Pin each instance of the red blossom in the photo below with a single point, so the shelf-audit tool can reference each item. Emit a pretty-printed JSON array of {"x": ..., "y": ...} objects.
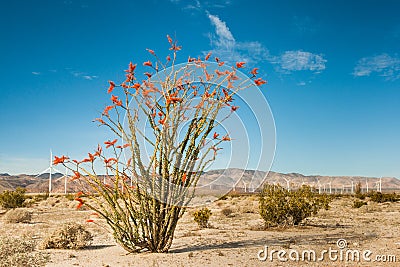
[
  {"x": 151, "y": 51},
  {"x": 226, "y": 138},
  {"x": 215, "y": 136},
  {"x": 131, "y": 68},
  {"x": 99, "y": 120},
  {"x": 234, "y": 108},
  {"x": 184, "y": 176},
  {"x": 147, "y": 63},
  {"x": 107, "y": 109},
  {"x": 58, "y": 160},
  {"x": 111, "y": 88},
  {"x": 240, "y": 64},
  {"x": 80, "y": 204},
  {"x": 169, "y": 39},
  {"x": 208, "y": 56},
  {"x": 110, "y": 143},
  {"x": 254, "y": 71},
  {"x": 259, "y": 81},
  {"x": 76, "y": 176}
]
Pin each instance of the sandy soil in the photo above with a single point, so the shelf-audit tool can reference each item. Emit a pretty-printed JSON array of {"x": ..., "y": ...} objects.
[{"x": 233, "y": 240}]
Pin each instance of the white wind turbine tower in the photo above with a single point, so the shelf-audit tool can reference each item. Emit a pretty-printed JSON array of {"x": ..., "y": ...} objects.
[
  {"x": 50, "y": 170},
  {"x": 352, "y": 186},
  {"x": 379, "y": 185},
  {"x": 245, "y": 186},
  {"x": 319, "y": 186},
  {"x": 330, "y": 185},
  {"x": 287, "y": 183},
  {"x": 366, "y": 183}
]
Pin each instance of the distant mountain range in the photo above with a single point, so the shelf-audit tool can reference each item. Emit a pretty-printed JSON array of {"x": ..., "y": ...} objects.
[{"x": 236, "y": 179}]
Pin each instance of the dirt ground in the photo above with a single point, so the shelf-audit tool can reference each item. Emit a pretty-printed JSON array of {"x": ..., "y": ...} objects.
[{"x": 234, "y": 240}]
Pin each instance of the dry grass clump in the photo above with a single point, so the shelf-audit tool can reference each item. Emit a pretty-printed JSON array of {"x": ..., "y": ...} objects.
[
  {"x": 228, "y": 212},
  {"x": 68, "y": 236},
  {"x": 20, "y": 252},
  {"x": 20, "y": 215}
]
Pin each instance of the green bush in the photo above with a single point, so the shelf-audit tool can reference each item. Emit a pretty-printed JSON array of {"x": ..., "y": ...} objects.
[
  {"x": 279, "y": 207},
  {"x": 202, "y": 216},
  {"x": 13, "y": 199},
  {"x": 20, "y": 252},
  {"x": 358, "y": 204},
  {"x": 381, "y": 198}
]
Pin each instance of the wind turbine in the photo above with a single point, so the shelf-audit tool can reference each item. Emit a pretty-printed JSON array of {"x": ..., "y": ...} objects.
[
  {"x": 330, "y": 186},
  {"x": 50, "y": 170},
  {"x": 319, "y": 186},
  {"x": 352, "y": 186},
  {"x": 245, "y": 186},
  {"x": 366, "y": 183},
  {"x": 287, "y": 184},
  {"x": 379, "y": 185}
]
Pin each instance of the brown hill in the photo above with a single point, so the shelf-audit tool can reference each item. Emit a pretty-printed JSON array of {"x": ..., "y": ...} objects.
[{"x": 235, "y": 179}]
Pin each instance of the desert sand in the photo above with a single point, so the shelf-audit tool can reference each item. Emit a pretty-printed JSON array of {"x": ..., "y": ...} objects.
[{"x": 232, "y": 240}]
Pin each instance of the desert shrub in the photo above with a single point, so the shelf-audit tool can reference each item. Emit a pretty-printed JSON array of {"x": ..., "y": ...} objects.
[
  {"x": 358, "y": 204},
  {"x": 29, "y": 202},
  {"x": 19, "y": 215},
  {"x": 70, "y": 197},
  {"x": 202, "y": 216},
  {"x": 361, "y": 196},
  {"x": 378, "y": 197},
  {"x": 13, "y": 199},
  {"x": 357, "y": 189},
  {"x": 20, "y": 252},
  {"x": 41, "y": 197},
  {"x": 68, "y": 236},
  {"x": 227, "y": 211},
  {"x": 280, "y": 207}
]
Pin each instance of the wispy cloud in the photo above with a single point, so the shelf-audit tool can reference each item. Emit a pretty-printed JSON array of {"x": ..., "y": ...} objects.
[
  {"x": 225, "y": 45},
  {"x": 82, "y": 75},
  {"x": 69, "y": 71},
  {"x": 384, "y": 65},
  {"x": 197, "y": 5},
  {"x": 299, "y": 60}
]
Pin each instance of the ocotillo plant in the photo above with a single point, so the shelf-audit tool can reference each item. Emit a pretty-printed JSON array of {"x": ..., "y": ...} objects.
[{"x": 151, "y": 175}]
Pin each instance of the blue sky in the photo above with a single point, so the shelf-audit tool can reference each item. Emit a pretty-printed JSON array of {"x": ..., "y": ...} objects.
[{"x": 333, "y": 71}]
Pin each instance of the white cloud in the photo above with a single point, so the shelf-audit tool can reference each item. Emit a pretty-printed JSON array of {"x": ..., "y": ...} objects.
[
  {"x": 300, "y": 60},
  {"x": 302, "y": 83},
  {"x": 223, "y": 32},
  {"x": 225, "y": 46},
  {"x": 36, "y": 73},
  {"x": 383, "y": 65},
  {"x": 83, "y": 75},
  {"x": 88, "y": 77}
]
